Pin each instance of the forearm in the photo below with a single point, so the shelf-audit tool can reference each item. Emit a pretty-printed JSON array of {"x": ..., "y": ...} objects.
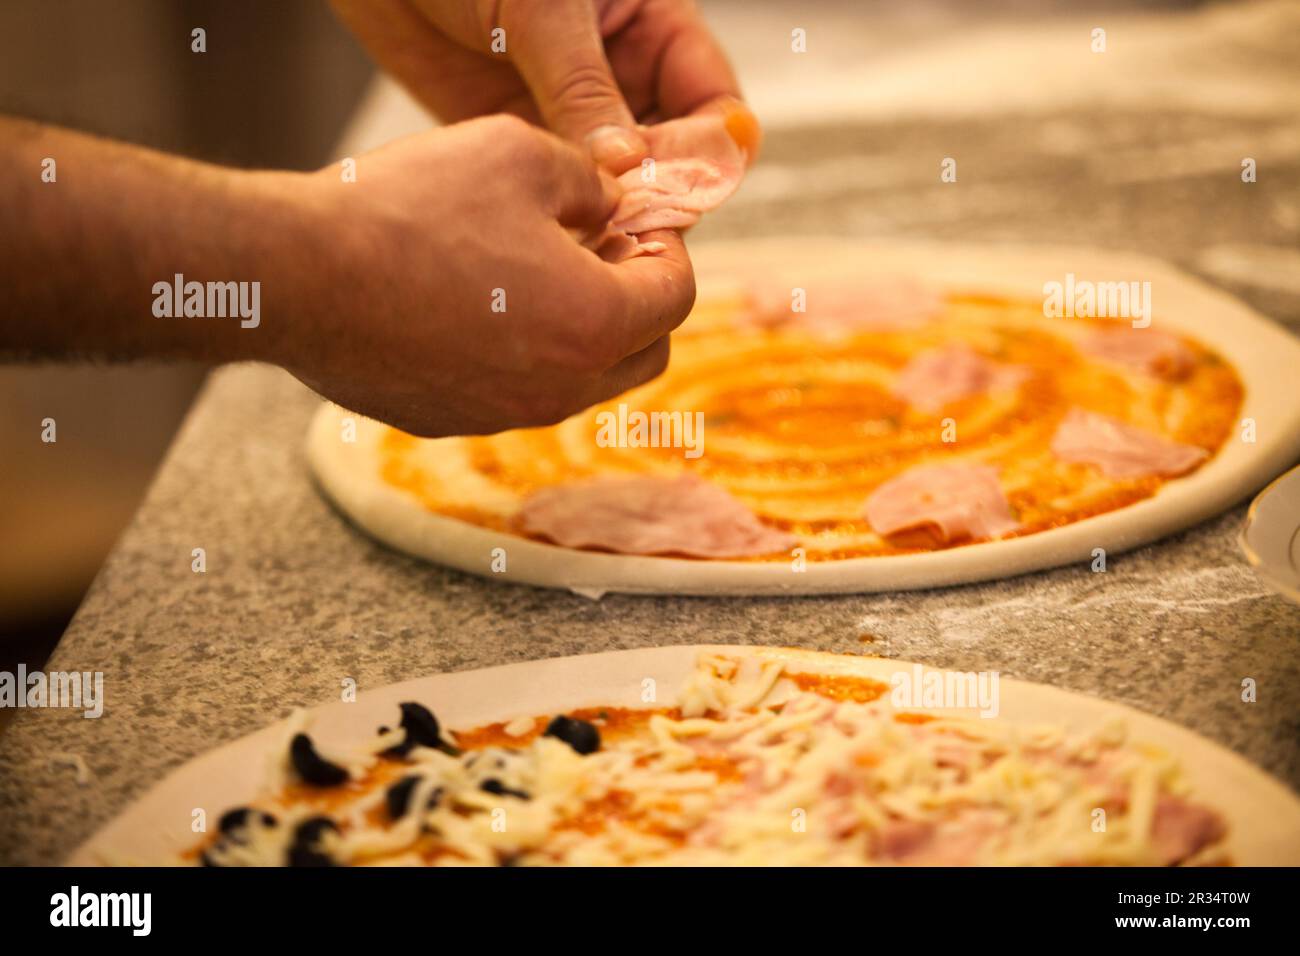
[{"x": 90, "y": 242}]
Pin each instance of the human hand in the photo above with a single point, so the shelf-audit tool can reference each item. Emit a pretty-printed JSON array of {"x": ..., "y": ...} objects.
[
  {"x": 588, "y": 69},
  {"x": 458, "y": 300}
]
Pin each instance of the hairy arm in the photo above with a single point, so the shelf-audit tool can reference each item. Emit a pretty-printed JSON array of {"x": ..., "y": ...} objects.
[
  {"x": 90, "y": 225},
  {"x": 439, "y": 288}
]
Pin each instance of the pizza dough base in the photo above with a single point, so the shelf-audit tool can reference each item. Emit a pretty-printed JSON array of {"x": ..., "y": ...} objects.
[{"x": 1264, "y": 356}]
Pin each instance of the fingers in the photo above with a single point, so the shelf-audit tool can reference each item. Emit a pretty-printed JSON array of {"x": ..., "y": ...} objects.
[
  {"x": 615, "y": 148},
  {"x": 656, "y": 292},
  {"x": 557, "y": 49},
  {"x": 613, "y": 311},
  {"x": 636, "y": 369},
  {"x": 668, "y": 62},
  {"x": 577, "y": 192},
  {"x": 693, "y": 69},
  {"x": 740, "y": 122},
  {"x": 451, "y": 80}
]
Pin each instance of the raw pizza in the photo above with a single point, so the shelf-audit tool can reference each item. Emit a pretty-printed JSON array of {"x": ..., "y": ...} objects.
[
  {"x": 843, "y": 419},
  {"x": 755, "y": 762}
]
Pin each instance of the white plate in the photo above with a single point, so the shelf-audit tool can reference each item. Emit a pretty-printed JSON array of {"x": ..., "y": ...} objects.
[
  {"x": 1264, "y": 355},
  {"x": 1263, "y": 816},
  {"x": 1271, "y": 537}
]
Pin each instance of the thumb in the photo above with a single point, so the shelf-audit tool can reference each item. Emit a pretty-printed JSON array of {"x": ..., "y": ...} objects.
[{"x": 557, "y": 49}]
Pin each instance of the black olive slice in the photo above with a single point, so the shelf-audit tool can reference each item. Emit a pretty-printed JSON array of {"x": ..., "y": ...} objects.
[
  {"x": 311, "y": 766},
  {"x": 305, "y": 849},
  {"x": 581, "y": 735},
  {"x": 495, "y": 786},
  {"x": 422, "y": 730},
  {"x": 238, "y": 819},
  {"x": 398, "y": 797}
]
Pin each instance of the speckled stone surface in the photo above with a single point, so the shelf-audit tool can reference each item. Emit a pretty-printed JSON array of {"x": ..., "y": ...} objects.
[{"x": 294, "y": 600}]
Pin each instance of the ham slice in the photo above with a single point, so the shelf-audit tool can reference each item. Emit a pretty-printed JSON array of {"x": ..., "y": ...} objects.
[
  {"x": 836, "y": 309},
  {"x": 1149, "y": 351},
  {"x": 1120, "y": 450},
  {"x": 696, "y": 167},
  {"x": 1180, "y": 829},
  {"x": 939, "y": 376},
  {"x": 955, "y": 842},
  {"x": 649, "y": 515},
  {"x": 961, "y": 500},
  {"x": 899, "y": 840}
]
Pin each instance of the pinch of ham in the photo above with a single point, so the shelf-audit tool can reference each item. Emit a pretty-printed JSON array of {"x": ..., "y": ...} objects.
[
  {"x": 1120, "y": 450},
  {"x": 840, "y": 308},
  {"x": 959, "y": 500},
  {"x": 694, "y": 166},
  {"x": 937, "y": 377},
  {"x": 1156, "y": 353},
  {"x": 650, "y": 515}
]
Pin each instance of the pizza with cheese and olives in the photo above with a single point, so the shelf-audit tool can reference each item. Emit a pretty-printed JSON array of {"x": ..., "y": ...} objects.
[
  {"x": 826, "y": 427},
  {"x": 755, "y": 762}
]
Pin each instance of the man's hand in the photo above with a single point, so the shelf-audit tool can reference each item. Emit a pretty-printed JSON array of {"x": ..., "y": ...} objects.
[
  {"x": 587, "y": 69},
  {"x": 458, "y": 301},
  {"x": 442, "y": 291}
]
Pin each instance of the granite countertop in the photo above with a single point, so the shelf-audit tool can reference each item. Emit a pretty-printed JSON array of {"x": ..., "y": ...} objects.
[{"x": 294, "y": 600}]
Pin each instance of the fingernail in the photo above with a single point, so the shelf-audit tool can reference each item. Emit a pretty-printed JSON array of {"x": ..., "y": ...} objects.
[
  {"x": 742, "y": 125},
  {"x": 615, "y": 147}
]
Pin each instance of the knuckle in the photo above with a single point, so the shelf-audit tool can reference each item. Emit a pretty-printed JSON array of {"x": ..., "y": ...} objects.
[
  {"x": 647, "y": 367},
  {"x": 674, "y": 298},
  {"x": 587, "y": 339},
  {"x": 607, "y": 319},
  {"x": 585, "y": 85},
  {"x": 541, "y": 410},
  {"x": 508, "y": 124},
  {"x": 682, "y": 291},
  {"x": 658, "y": 361},
  {"x": 580, "y": 349},
  {"x": 519, "y": 141}
]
